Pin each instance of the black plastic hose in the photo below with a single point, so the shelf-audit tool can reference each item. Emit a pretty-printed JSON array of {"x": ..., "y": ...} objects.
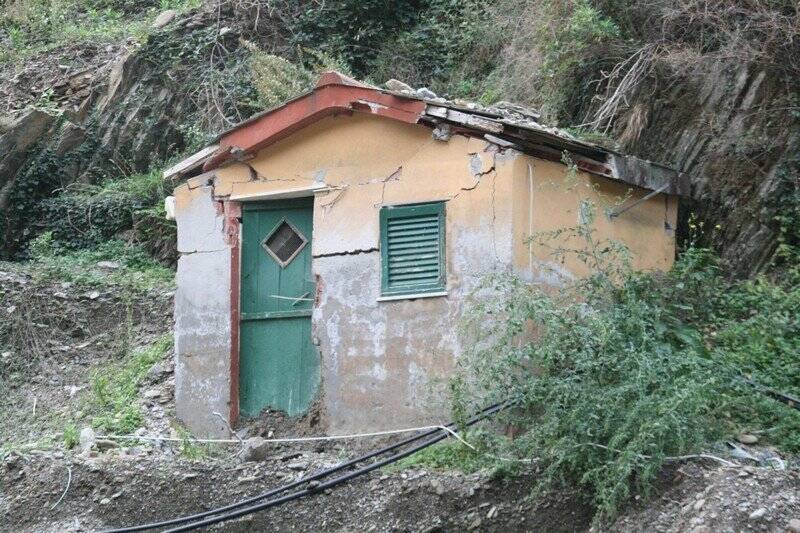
[
  {"x": 336, "y": 481},
  {"x": 319, "y": 475}
]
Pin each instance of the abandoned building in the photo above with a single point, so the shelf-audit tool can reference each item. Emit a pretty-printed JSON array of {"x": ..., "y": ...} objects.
[{"x": 328, "y": 247}]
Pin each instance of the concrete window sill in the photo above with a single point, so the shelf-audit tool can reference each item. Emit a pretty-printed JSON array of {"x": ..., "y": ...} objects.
[{"x": 412, "y": 296}]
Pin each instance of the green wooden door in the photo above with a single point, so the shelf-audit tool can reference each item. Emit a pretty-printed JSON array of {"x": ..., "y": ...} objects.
[{"x": 278, "y": 363}]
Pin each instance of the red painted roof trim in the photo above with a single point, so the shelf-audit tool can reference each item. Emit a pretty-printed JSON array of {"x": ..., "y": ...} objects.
[{"x": 334, "y": 93}]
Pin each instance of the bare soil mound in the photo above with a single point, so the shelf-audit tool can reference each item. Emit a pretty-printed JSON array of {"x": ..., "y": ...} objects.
[{"x": 54, "y": 337}]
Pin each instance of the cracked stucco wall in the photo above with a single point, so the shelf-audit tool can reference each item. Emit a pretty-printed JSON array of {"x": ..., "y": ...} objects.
[
  {"x": 202, "y": 314},
  {"x": 385, "y": 363},
  {"x": 386, "y": 360},
  {"x": 547, "y": 198}
]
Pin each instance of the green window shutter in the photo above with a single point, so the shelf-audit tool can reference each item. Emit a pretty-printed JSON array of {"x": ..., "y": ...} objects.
[{"x": 412, "y": 248}]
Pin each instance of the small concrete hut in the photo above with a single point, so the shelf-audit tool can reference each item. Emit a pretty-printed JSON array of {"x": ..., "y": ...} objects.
[{"x": 328, "y": 246}]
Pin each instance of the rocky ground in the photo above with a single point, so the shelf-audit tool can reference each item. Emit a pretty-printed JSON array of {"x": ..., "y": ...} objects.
[
  {"x": 72, "y": 331},
  {"x": 729, "y": 499},
  {"x": 56, "y": 335},
  {"x": 62, "y": 77},
  {"x": 122, "y": 487}
]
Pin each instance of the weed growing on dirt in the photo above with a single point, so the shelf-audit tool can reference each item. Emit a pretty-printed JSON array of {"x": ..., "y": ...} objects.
[
  {"x": 190, "y": 448},
  {"x": 126, "y": 265},
  {"x": 621, "y": 369},
  {"x": 454, "y": 455},
  {"x": 115, "y": 389},
  {"x": 34, "y": 26},
  {"x": 42, "y": 443},
  {"x": 71, "y": 435}
]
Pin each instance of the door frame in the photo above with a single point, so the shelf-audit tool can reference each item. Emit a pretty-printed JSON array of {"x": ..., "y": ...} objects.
[{"x": 233, "y": 233}]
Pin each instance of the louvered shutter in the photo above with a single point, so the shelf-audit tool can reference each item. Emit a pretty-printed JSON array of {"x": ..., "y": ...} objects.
[{"x": 412, "y": 248}]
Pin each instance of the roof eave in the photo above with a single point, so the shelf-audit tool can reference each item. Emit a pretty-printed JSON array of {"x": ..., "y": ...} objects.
[
  {"x": 325, "y": 100},
  {"x": 336, "y": 93}
]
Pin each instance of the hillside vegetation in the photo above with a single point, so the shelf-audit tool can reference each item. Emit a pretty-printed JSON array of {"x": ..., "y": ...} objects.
[
  {"x": 707, "y": 86},
  {"x": 631, "y": 370}
]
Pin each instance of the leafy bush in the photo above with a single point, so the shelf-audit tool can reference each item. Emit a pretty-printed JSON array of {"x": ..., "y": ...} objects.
[
  {"x": 424, "y": 42},
  {"x": 445, "y": 48},
  {"x": 621, "y": 369},
  {"x": 352, "y": 29}
]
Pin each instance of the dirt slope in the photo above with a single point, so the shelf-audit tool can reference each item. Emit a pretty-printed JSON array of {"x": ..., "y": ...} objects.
[
  {"x": 117, "y": 490},
  {"x": 126, "y": 487},
  {"x": 72, "y": 331}
]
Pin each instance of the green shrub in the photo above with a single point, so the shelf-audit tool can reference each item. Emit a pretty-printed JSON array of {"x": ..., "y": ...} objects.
[
  {"x": 353, "y": 30},
  {"x": 71, "y": 436},
  {"x": 620, "y": 370},
  {"x": 125, "y": 6},
  {"x": 87, "y": 215},
  {"x": 90, "y": 216},
  {"x": 447, "y": 48}
]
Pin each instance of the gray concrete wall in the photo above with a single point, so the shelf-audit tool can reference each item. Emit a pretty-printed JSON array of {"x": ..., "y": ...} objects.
[{"x": 202, "y": 315}]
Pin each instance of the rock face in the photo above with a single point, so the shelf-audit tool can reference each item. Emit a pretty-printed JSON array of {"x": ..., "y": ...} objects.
[
  {"x": 726, "y": 124},
  {"x": 730, "y": 126},
  {"x": 123, "y": 117},
  {"x": 16, "y": 144}
]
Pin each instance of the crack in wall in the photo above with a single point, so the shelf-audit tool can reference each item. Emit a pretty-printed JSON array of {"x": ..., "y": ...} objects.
[
  {"x": 255, "y": 175},
  {"x": 204, "y": 251},
  {"x": 478, "y": 182},
  {"x": 478, "y": 177},
  {"x": 475, "y": 165},
  {"x": 357, "y": 251},
  {"x": 394, "y": 176}
]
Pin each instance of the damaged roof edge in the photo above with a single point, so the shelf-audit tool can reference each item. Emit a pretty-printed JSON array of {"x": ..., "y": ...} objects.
[
  {"x": 649, "y": 175},
  {"x": 336, "y": 93},
  {"x": 330, "y": 77},
  {"x": 192, "y": 162}
]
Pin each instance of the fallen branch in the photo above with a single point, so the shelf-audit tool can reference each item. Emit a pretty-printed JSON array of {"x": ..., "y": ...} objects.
[{"x": 668, "y": 458}]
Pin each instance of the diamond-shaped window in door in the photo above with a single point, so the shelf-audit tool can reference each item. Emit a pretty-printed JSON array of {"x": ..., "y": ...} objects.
[{"x": 284, "y": 243}]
